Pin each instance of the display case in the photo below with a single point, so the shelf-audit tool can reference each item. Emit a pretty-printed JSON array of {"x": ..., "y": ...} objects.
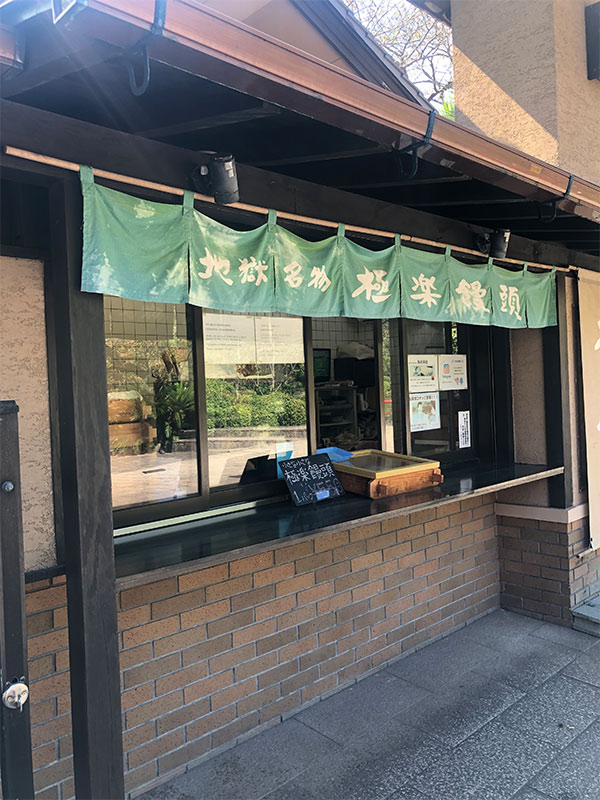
[
  {"x": 337, "y": 419},
  {"x": 375, "y": 473}
]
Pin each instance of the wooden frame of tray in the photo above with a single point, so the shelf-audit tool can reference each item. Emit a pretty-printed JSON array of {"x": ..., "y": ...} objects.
[
  {"x": 415, "y": 465},
  {"x": 420, "y": 473}
]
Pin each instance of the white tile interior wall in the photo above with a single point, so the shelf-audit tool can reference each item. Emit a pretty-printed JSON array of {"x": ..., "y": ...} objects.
[{"x": 329, "y": 332}]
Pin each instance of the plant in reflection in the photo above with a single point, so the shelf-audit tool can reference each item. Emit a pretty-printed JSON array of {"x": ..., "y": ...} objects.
[
  {"x": 237, "y": 404},
  {"x": 174, "y": 402}
]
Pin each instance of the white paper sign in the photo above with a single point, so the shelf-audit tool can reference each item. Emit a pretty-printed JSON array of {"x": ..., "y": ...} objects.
[
  {"x": 228, "y": 339},
  {"x": 247, "y": 339},
  {"x": 464, "y": 429},
  {"x": 422, "y": 373},
  {"x": 424, "y": 411},
  {"x": 279, "y": 340},
  {"x": 452, "y": 371}
]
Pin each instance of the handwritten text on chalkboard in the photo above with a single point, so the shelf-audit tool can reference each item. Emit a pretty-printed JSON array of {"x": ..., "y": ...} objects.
[{"x": 311, "y": 479}]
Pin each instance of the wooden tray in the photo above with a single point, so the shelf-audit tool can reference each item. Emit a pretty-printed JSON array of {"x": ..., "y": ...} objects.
[{"x": 408, "y": 475}]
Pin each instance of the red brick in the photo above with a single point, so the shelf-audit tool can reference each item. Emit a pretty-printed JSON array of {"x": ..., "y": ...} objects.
[
  {"x": 294, "y": 585},
  {"x": 275, "y": 607},
  {"x": 241, "y": 566},
  {"x": 205, "y": 613},
  {"x": 208, "y": 686},
  {"x": 254, "y": 632},
  {"x": 293, "y": 551},
  {"x": 233, "y": 694},
  {"x": 204, "y": 577},
  {"x": 228, "y": 588},
  {"x": 331, "y": 541},
  {"x": 141, "y": 595},
  {"x": 273, "y": 575},
  {"x": 313, "y": 562}
]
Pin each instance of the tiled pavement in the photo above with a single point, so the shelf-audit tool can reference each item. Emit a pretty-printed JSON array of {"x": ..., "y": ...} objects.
[{"x": 507, "y": 707}]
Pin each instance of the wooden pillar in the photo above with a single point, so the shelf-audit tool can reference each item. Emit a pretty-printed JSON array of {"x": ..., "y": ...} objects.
[{"x": 88, "y": 535}]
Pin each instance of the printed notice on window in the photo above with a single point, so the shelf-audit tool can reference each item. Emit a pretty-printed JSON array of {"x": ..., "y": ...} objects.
[
  {"x": 464, "y": 429},
  {"x": 452, "y": 372},
  {"x": 422, "y": 373},
  {"x": 424, "y": 411}
]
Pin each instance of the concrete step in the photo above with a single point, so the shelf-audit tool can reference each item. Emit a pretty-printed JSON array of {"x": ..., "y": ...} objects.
[{"x": 586, "y": 617}]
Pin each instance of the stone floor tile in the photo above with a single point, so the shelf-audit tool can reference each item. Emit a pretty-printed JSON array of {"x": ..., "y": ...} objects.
[
  {"x": 251, "y": 769},
  {"x": 566, "y": 636},
  {"x": 527, "y": 662},
  {"x": 464, "y": 707},
  {"x": 530, "y": 794},
  {"x": 349, "y": 713},
  {"x": 440, "y": 663},
  {"x": 408, "y": 793},
  {"x": 574, "y": 773},
  {"x": 498, "y": 629},
  {"x": 492, "y": 764},
  {"x": 557, "y": 711},
  {"x": 373, "y": 767},
  {"x": 586, "y": 667}
]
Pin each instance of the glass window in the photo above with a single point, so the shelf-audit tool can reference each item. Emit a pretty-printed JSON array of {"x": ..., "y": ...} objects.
[
  {"x": 438, "y": 429},
  {"x": 347, "y": 386},
  {"x": 255, "y": 395},
  {"x": 151, "y": 401}
]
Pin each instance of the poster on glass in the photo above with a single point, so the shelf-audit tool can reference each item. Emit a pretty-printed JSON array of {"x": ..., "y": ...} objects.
[
  {"x": 422, "y": 373},
  {"x": 452, "y": 372},
  {"x": 424, "y": 411}
]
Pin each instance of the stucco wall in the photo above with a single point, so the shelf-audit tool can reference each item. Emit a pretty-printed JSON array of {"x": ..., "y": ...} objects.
[
  {"x": 578, "y": 99},
  {"x": 504, "y": 72},
  {"x": 521, "y": 77},
  {"x": 24, "y": 378}
]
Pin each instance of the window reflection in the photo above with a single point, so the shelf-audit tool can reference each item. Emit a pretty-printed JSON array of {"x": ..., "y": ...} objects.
[
  {"x": 255, "y": 395},
  {"x": 151, "y": 402}
]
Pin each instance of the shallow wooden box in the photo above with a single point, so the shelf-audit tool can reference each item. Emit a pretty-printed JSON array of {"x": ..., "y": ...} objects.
[{"x": 375, "y": 473}]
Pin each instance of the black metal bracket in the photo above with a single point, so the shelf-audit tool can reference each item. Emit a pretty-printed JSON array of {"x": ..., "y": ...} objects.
[
  {"x": 414, "y": 148},
  {"x": 141, "y": 48},
  {"x": 554, "y": 204}
]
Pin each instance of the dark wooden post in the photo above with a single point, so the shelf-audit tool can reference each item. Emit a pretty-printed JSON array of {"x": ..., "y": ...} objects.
[
  {"x": 85, "y": 467},
  {"x": 15, "y": 731}
]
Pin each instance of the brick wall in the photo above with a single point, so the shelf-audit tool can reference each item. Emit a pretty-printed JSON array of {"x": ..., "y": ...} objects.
[
  {"x": 50, "y": 701},
  {"x": 212, "y": 655},
  {"x": 541, "y": 572}
]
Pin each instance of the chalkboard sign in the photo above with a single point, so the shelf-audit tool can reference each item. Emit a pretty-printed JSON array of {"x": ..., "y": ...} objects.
[{"x": 311, "y": 479}]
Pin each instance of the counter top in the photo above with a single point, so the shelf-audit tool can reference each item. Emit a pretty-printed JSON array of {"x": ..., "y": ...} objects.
[{"x": 176, "y": 549}]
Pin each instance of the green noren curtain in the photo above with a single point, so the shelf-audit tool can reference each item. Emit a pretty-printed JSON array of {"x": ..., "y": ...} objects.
[
  {"x": 132, "y": 248},
  {"x": 171, "y": 253}
]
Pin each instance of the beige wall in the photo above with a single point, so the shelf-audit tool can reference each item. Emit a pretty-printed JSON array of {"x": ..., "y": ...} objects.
[
  {"x": 527, "y": 365},
  {"x": 24, "y": 378},
  {"x": 521, "y": 77}
]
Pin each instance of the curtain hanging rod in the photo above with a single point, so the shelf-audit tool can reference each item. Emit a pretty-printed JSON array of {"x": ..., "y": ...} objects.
[{"x": 161, "y": 187}]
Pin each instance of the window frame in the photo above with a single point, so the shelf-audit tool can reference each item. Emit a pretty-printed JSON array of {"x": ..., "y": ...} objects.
[
  {"x": 491, "y": 419},
  {"x": 207, "y": 498}
]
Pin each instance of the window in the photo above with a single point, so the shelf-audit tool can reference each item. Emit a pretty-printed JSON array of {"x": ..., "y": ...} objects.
[
  {"x": 170, "y": 367},
  {"x": 436, "y": 433},
  {"x": 203, "y": 404},
  {"x": 255, "y": 395},
  {"x": 151, "y": 402}
]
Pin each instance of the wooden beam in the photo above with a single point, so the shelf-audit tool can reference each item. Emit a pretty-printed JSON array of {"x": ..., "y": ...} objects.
[
  {"x": 204, "y": 42},
  {"x": 261, "y": 111},
  {"x": 16, "y": 770},
  {"x": 73, "y": 140},
  {"x": 50, "y": 55},
  {"x": 311, "y": 158},
  {"x": 89, "y": 546}
]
